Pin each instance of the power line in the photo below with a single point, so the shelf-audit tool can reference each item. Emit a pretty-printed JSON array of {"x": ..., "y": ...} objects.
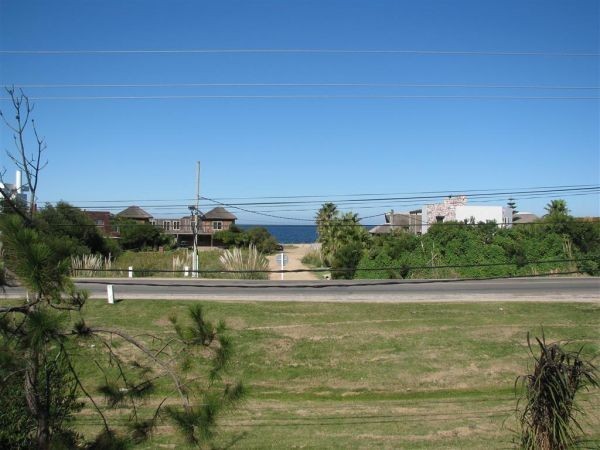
[
  {"x": 295, "y": 200},
  {"x": 378, "y": 85},
  {"x": 481, "y": 196},
  {"x": 326, "y": 196},
  {"x": 113, "y": 281},
  {"x": 310, "y": 97},
  {"x": 300, "y": 51},
  {"x": 351, "y": 201},
  {"x": 258, "y": 213}
]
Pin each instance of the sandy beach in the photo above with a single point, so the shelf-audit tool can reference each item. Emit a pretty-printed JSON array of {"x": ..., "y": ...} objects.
[{"x": 295, "y": 252}]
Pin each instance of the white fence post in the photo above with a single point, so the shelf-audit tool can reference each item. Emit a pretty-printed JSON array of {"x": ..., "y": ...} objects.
[
  {"x": 110, "y": 293},
  {"x": 186, "y": 271},
  {"x": 130, "y": 271}
]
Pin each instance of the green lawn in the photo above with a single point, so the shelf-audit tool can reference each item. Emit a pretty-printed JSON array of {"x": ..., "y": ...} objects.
[{"x": 373, "y": 375}]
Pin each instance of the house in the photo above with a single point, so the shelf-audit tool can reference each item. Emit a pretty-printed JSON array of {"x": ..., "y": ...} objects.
[
  {"x": 455, "y": 209},
  {"x": 451, "y": 209},
  {"x": 102, "y": 220},
  {"x": 407, "y": 221},
  {"x": 217, "y": 219},
  {"x": 182, "y": 228}
]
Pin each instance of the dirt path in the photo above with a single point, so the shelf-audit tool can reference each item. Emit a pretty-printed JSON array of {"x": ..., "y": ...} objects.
[{"x": 295, "y": 253}]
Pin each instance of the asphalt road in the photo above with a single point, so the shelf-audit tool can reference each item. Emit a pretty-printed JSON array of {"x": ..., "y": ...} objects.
[{"x": 518, "y": 289}]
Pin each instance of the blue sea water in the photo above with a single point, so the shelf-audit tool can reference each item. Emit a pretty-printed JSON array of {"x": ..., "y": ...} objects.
[{"x": 290, "y": 234}]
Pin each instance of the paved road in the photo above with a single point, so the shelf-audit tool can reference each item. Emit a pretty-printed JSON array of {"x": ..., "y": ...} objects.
[{"x": 531, "y": 289}]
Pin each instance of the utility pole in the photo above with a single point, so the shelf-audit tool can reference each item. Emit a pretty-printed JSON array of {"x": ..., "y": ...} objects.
[{"x": 196, "y": 213}]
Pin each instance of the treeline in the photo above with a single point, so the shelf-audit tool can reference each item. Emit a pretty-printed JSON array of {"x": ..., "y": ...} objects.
[
  {"x": 69, "y": 231},
  {"x": 461, "y": 250}
]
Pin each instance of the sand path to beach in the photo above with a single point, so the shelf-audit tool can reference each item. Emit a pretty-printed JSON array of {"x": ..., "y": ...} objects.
[{"x": 295, "y": 252}]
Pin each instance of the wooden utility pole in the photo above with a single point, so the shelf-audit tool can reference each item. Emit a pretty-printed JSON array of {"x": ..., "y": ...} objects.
[{"x": 195, "y": 265}]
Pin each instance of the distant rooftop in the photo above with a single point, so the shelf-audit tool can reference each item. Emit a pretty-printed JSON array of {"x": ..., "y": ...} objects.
[
  {"x": 219, "y": 213},
  {"x": 134, "y": 212}
]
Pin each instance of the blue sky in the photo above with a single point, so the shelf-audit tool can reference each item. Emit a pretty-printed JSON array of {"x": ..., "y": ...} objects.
[{"x": 116, "y": 150}]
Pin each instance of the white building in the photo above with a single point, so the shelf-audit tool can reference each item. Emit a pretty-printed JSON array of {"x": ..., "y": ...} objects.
[
  {"x": 455, "y": 209},
  {"x": 16, "y": 190}
]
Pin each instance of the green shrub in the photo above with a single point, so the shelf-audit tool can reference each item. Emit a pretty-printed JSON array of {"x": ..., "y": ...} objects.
[
  {"x": 347, "y": 257},
  {"x": 256, "y": 236}
]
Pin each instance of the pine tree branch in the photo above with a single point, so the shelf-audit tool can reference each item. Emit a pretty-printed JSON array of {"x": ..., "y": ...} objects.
[
  {"x": 80, "y": 384},
  {"x": 150, "y": 354}
]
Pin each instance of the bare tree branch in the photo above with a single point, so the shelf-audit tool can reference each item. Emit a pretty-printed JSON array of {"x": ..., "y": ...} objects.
[{"x": 32, "y": 165}]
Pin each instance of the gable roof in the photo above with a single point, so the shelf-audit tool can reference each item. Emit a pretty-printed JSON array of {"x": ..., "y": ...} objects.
[
  {"x": 219, "y": 213},
  {"x": 134, "y": 212}
]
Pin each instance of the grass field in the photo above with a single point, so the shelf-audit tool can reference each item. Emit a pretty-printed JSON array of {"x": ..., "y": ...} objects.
[{"x": 374, "y": 375}]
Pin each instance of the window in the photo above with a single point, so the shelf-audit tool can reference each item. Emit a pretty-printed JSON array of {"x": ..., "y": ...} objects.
[
  {"x": 99, "y": 222},
  {"x": 167, "y": 225},
  {"x": 217, "y": 225},
  {"x": 176, "y": 224},
  {"x": 439, "y": 219}
]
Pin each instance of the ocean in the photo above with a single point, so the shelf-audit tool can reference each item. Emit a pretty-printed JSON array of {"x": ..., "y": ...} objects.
[{"x": 292, "y": 234}]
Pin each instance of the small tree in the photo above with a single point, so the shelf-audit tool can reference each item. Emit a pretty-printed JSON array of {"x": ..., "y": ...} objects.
[
  {"x": 513, "y": 206},
  {"x": 557, "y": 208},
  {"x": 28, "y": 163},
  {"x": 140, "y": 236},
  {"x": 547, "y": 411},
  {"x": 336, "y": 231},
  {"x": 324, "y": 219}
]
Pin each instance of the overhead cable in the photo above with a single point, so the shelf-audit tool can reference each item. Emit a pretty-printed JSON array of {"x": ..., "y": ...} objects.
[{"x": 584, "y": 54}]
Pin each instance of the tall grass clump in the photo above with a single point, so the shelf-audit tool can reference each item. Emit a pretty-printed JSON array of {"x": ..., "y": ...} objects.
[
  {"x": 90, "y": 265},
  {"x": 547, "y": 411},
  {"x": 245, "y": 260},
  {"x": 313, "y": 257},
  {"x": 180, "y": 262}
]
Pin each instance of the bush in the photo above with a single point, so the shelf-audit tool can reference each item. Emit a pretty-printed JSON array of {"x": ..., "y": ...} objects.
[
  {"x": 141, "y": 236},
  {"x": 257, "y": 236},
  {"x": 347, "y": 257},
  {"x": 261, "y": 239},
  {"x": 245, "y": 260}
]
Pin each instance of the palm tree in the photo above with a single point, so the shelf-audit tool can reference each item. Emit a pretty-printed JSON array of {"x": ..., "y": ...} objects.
[
  {"x": 325, "y": 218},
  {"x": 325, "y": 215},
  {"x": 557, "y": 208}
]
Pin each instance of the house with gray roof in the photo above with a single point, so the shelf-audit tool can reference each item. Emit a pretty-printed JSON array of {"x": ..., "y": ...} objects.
[
  {"x": 182, "y": 228},
  {"x": 217, "y": 219}
]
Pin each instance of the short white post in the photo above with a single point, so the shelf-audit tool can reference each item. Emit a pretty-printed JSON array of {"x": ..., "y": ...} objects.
[
  {"x": 186, "y": 271},
  {"x": 130, "y": 271},
  {"x": 281, "y": 265},
  {"x": 110, "y": 293}
]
